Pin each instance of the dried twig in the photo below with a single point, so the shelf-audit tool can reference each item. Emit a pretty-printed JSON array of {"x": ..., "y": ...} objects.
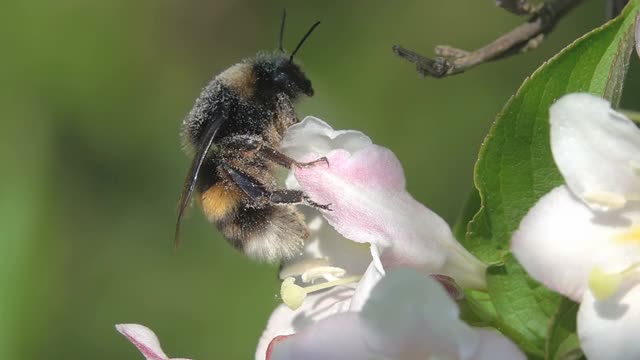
[
  {"x": 518, "y": 7},
  {"x": 528, "y": 36}
]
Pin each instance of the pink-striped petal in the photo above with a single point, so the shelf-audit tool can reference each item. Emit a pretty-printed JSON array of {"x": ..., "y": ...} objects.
[
  {"x": 145, "y": 340},
  {"x": 273, "y": 343},
  {"x": 369, "y": 204}
]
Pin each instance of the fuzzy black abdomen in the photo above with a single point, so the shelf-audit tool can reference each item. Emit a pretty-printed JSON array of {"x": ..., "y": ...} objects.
[{"x": 269, "y": 234}]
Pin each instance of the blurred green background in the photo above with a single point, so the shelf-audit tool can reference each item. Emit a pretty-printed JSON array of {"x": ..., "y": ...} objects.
[{"x": 91, "y": 100}]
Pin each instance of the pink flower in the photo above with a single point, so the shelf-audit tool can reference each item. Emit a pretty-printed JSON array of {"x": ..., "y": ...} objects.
[
  {"x": 373, "y": 225},
  {"x": 373, "y": 219},
  {"x": 145, "y": 340},
  {"x": 405, "y": 316}
]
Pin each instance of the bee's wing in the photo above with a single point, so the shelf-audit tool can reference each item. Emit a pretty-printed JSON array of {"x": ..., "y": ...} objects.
[
  {"x": 192, "y": 176},
  {"x": 251, "y": 186}
]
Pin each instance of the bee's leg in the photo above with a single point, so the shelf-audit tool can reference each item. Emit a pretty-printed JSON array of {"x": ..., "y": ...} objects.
[
  {"x": 259, "y": 193},
  {"x": 283, "y": 160},
  {"x": 252, "y": 187},
  {"x": 250, "y": 145},
  {"x": 295, "y": 197}
]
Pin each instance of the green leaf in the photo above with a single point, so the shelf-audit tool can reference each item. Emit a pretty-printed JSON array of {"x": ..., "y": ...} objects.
[
  {"x": 476, "y": 309},
  {"x": 515, "y": 168},
  {"x": 471, "y": 207},
  {"x": 524, "y": 306},
  {"x": 562, "y": 342}
]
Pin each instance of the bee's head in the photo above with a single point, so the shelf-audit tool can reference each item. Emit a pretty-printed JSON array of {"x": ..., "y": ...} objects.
[
  {"x": 275, "y": 73},
  {"x": 278, "y": 73}
]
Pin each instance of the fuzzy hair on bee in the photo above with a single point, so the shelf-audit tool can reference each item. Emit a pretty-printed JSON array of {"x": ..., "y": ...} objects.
[{"x": 234, "y": 131}]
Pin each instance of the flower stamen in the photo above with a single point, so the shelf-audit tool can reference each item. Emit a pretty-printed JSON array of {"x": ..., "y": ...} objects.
[
  {"x": 604, "y": 199},
  {"x": 293, "y": 295},
  {"x": 631, "y": 235},
  {"x": 604, "y": 285},
  {"x": 300, "y": 267},
  {"x": 329, "y": 273}
]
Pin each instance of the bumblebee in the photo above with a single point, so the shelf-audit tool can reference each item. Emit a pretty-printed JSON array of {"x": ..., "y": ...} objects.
[{"x": 234, "y": 130}]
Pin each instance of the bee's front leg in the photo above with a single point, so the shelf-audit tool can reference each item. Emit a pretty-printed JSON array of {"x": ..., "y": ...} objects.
[
  {"x": 261, "y": 195},
  {"x": 295, "y": 197},
  {"x": 313, "y": 163},
  {"x": 281, "y": 159},
  {"x": 251, "y": 145}
]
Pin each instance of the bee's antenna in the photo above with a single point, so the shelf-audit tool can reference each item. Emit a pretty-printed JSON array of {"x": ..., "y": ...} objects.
[
  {"x": 284, "y": 18},
  {"x": 304, "y": 38}
]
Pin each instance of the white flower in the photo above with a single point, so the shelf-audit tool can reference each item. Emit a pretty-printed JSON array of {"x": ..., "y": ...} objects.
[
  {"x": 145, "y": 340},
  {"x": 405, "y": 316},
  {"x": 582, "y": 239}
]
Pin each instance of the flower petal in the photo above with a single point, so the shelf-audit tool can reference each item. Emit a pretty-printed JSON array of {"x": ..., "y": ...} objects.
[
  {"x": 638, "y": 35},
  {"x": 363, "y": 291},
  {"x": 316, "y": 306},
  {"x": 408, "y": 316},
  {"x": 273, "y": 343},
  {"x": 326, "y": 243},
  {"x": 409, "y": 313},
  {"x": 609, "y": 329},
  {"x": 145, "y": 340},
  {"x": 560, "y": 241},
  {"x": 360, "y": 196},
  {"x": 369, "y": 204},
  {"x": 494, "y": 346},
  {"x": 339, "y": 337},
  {"x": 597, "y": 150},
  {"x": 450, "y": 286},
  {"x": 313, "y": 135}
]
